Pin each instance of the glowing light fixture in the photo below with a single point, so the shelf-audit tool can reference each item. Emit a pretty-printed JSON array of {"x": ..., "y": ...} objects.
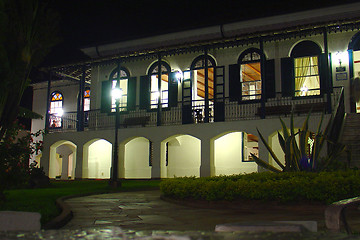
[
  {"x": 59, "y": 112},
  {"x": 179, "y": 76},
  {"x": 342, "y": 57},
  {"x": 116, "y": 93},
  {"x": 304, "y": 90}
]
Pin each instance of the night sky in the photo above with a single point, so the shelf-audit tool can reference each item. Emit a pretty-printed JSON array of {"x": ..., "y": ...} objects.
[{"x": 86, "y": 23}]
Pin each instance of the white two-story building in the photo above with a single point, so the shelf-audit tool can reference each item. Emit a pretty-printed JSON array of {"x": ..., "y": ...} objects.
[{"x": 191, "y": 101}]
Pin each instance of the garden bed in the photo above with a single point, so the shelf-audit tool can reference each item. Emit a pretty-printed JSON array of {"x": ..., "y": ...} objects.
[{"x": 285, "y": 187}]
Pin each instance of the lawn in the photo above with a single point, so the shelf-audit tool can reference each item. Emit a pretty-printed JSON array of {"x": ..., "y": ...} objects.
[{"x": 43, "y": 199}]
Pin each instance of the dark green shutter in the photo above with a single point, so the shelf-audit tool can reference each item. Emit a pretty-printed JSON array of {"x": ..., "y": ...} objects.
[
  {"x": 287, "y": 77},
  {"x": 131, "y": 94},
  {"x": 144, "y": 92},
  {"x": 173, "y": 90},
  {"x": 270, "y": 91},
  {"x": 323, "y": 72},
  {"x": 187, "y": 84},
  {"x": 219, "y": 94},
  {"x": 105, "y": 96},
  {"x": 234, "y": 82},
  {"x": 331, "y": 86}
]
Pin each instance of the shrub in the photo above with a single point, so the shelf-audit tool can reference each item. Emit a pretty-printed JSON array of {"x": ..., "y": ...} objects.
[
  {"x": 324, "y": 187},
  {"x": 15, "y": 153}
]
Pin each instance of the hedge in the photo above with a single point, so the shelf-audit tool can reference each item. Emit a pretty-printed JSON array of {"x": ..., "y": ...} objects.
[{"x": 324, "y": 187}]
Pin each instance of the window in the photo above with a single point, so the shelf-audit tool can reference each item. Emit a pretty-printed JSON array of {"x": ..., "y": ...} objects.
[
  {"x": 307, "y": 79},
  {"x": 87, "y": 100},
  {"x": 250, "y": 74},
  {"x": 161, "y": 91},
  {"x": 198, "y": 66},
  {"x": 56, "y": 109},
  {"x": 306, "y": 68},
  {"x": 120, "y": 77}
]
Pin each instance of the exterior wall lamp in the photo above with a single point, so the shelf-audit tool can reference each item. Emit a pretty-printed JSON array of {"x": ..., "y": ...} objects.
[
  {"x": 179, "y": 76},
  {"x": 114, "y": 181}
]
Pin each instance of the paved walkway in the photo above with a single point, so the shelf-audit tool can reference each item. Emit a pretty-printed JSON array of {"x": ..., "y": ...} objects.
[{"x": 145, "y": 210}]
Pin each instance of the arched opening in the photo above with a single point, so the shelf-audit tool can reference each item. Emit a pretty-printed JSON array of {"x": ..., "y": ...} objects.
[
  {"x": 62, "y": 160},
  {"x": 250, "y": 74},
  {"x": 56, "y": 109},
  {"x": 159, "y": 90},
  {"x": 232, "y": 153},
  {"x": 136, "y": 159},
  {"x": 120, "y": 77},
  {"x": 181, "y": 156},
  {"x": 306, "y": 55},
  {"x": 202, "y": 88},
  {"x": 97, "y": 159}
]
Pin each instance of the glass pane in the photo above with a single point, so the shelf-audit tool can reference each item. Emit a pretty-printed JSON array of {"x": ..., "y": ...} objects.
[
  {"x": 307, "y": 79},
  {"x": 251, "y": 81}
]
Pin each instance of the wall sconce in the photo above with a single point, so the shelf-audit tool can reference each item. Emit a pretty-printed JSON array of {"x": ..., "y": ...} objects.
[
  {"x": 179, "y": 76},
  {"x": 342, "y": 57}
]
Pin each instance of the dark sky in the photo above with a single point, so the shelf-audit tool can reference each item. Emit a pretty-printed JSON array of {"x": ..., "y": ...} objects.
[{"x": 90, "y": 22}]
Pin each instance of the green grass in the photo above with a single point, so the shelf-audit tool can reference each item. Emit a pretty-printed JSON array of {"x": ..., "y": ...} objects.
[{"x": 42, "y": 200}]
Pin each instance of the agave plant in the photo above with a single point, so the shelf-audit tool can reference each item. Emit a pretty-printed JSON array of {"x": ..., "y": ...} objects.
[{"x": 299, "y": 154}]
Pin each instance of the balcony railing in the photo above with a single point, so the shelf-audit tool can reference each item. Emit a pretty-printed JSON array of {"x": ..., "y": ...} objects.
[{"x": 233, "y": 111}]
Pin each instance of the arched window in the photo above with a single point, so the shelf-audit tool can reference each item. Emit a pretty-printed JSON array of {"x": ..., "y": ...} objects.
[
  {"x": 120, "y": 77},
  {"x": 250, "y": 73},
  {"x": 56, "y": 109},
  {"x": 198, "y": 66},
  {"x": 306, "y": 68},
  {"x": 87, "y": 99},
  {"x": 154, "y": 84}
]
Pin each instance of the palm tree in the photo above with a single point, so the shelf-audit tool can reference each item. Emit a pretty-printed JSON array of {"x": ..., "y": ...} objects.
[{"x": 28, "y": 30}]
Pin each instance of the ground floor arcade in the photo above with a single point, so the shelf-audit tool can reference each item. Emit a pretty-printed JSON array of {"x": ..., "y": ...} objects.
[{"x": 198, "y": 150}]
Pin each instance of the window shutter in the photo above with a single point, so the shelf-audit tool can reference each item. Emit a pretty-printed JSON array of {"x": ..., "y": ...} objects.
[
  {"x": 131, "y": 94},
  {"x": 323, "y": 72},
  {"x": 105, "y": 96},
  {"x": 173, "y": 90},
  {"x": 287, "y": 77},
  {"x": 144, "y": 92},
  {"x": 270, "y": 79},
  {"x": 234, "y": 82}
]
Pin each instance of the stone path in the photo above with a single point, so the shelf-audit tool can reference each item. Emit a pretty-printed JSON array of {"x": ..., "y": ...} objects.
[{"x": 146, "y": 211}]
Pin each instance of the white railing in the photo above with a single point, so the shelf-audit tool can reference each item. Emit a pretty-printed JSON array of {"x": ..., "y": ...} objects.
[{"x": 234, "y": 111}]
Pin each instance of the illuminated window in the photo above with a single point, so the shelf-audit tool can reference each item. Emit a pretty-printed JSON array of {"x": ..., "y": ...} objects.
[
  {"x": 163, "y": 94},
  {"x": 87, "y": 100},
  {"x": 122, "y": 80},
  {"x": 307, "y": 79},
  {"x": 250, "y": 74},
  {"x": 56, "y": 109},
  {"x": 306, "y": 68},
  {"x": 198, "y": 66}
]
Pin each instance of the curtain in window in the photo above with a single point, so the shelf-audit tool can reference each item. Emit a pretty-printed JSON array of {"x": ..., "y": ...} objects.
[
  {"x": 302, "y": 67},
  {"x": 306, "y": 74}
]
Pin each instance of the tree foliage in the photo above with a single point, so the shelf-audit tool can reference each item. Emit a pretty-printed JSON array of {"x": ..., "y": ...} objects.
[{"x": 28, "y": 30}]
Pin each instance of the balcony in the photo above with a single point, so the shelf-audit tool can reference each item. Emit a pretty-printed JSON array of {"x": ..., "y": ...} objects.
[{"x": 233, "y": 111}]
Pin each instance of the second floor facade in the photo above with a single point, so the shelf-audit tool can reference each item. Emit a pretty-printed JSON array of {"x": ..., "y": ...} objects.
[{"x": 255, "y": 75}]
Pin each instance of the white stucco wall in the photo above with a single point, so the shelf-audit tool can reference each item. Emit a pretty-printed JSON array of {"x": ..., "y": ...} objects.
[
  {"x": 137, "y": 159},
  {"x": 229, "y": 156},
  {"x": 99, "y": 159},
  {"x": 184, "y": 157}
]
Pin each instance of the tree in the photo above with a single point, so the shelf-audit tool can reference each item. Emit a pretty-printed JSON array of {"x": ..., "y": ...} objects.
[{"x": 28, "y": 30}]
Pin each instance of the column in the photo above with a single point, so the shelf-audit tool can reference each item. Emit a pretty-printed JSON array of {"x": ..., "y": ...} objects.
[
  {"x": 155, "y": 169},
  {"x": 205, "y": 168},
  {"x": 79, "y": 163}
]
